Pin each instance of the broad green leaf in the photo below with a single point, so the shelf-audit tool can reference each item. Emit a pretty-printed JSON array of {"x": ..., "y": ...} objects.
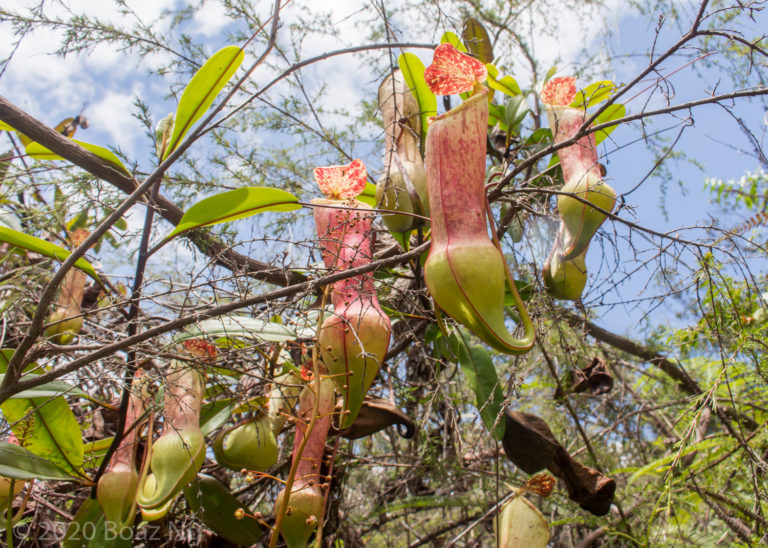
[
  {"x": 19, "y": 463},
  {"x": 48, "y": 428},
  {"x": 432, "y": 333},
  {"x": 593, "y": 94},
  {"x": 550, "y": 73},
  {"x": 496, "y": 115},
  {"x": 5, "y": 127},
  {"x": 524, "y": 289},
  {"x": 5, "y": 356},
  {"x": 201, "y": 91},
  {"x": 95, "y": 450},
  {"x": 403, "y": 238},
  {"x": 515, "y": 111},
  {"x": 542, "y": 136},
  {"x": 477, "y": 40},
  {"x": 110, "y": 239},
  {"x": 214, "y": 503},
  {"x": 39, "y": 152},
  {"x": 477, "y": 366},
  {"x": 506, "y": 85},
  {"x": 121, "y": 224},
  {"x": 368, "y": 196},
  {"x": 234, "y": 327},
  {"x": 413, "y": 73},
  {"x": 48, "y": 390},
  {"x": 214, "y": 414},
  {"x": 451, "y": 38},
  {"x": 89, "y": 530},
  {"x": 30, "y": 243},
  {"x": 553, "y": 160},
  {"x": 612, "y": 112},
  {"x": 81, "y": 221},
  {"x": 235, "y": 204}
]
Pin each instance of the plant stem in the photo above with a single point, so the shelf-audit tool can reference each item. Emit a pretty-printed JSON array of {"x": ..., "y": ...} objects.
[{"x": 9, "y": 517}]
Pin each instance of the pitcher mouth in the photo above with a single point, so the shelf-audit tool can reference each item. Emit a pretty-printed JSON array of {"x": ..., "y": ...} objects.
[{"x": 483, "y": 95}]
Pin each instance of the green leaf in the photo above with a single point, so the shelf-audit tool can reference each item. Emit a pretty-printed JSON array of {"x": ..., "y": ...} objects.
[
  {"x": 48, "y": 428},
  {"x": 506, "y": 85},
  {"x": 515, "y": 111},
  {"x": 48, "y": 390},
  {"x": 403, "y": 238},
  {"x": 217, "y": 505},
  {"x": 19, "y": 463},
  {"x": 477, "y": 366},
  {"x": 611, "y": 112},
  {"x": 81, "y": 221},
  {"x": 451, "y": 38},
  {"x": 593, "y": 94},
  {"x": 214, "y": 414},
  {"x": 95, "y": 451},
  {"x": 201, "y": 91},
  {"x": 111, "y": 239},
  {"x": 30, "y": 243},
  {"x": 550, "y": 73},
  {"x": 89, "y": 529},
  {"x": 496, "y": 115},
  {"x": 5, "y": 127},
  {"x": 524, "y": 288},
  {"x": 368, "y": 196},
  {"x": 234, "y": 327},
  {"x": 413, "y": 73},
  {"x": 542, "y": 136},
  {"x": 477, "y": 40},
  {"x": 121, "y": 224},
  {"x": 39, "y": 152},
  {"x": 235, "y": 204}
]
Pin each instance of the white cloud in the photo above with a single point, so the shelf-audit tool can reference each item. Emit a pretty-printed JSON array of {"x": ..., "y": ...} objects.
[
  {"x": 210, "y": 19},
  {"x": 112, "y": 114},
  {"x": 146, "y": 10}
]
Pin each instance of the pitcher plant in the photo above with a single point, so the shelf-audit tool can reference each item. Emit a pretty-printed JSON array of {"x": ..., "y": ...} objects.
[
  {"x": 581, "y": 170},
  {"x": 354, "y": 339},
  {"x": 465, "y": 271},
  {"x": 403, "y": 185}
]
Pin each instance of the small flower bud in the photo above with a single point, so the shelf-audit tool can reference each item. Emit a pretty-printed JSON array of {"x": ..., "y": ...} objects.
[{"x": 163, "y": 132}]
